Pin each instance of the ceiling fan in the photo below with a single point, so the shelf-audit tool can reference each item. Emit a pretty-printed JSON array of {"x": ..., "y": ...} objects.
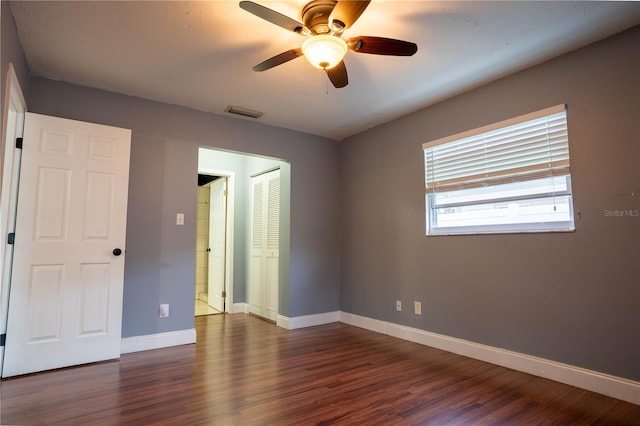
[{"x": 324, "y": 23}]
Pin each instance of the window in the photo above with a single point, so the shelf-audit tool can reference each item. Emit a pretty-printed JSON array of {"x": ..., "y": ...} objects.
[{"x": 512, "y": 176}]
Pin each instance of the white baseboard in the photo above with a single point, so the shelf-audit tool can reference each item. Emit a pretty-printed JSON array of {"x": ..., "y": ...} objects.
[
  {"x": 616, "y": 387},
  {"x": 308, "y": 320},
  {"x": 157, "y": 341},
  {"x": 240, "y": 308}
]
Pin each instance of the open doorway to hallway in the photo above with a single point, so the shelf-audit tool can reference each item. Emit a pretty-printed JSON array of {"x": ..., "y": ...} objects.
[{"x": 231, "y": 262}]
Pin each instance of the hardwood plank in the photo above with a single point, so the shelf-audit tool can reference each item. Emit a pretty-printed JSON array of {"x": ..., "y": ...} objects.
[{"x": 244, "y": 371}]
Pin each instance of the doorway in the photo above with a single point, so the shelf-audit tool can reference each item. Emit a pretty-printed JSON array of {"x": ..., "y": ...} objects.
[
  {"x": 239, "y": 169},
  {"x": 211, "y": 244}
]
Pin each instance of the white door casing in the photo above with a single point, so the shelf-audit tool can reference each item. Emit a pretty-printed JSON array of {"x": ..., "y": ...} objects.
[
  {"x": 66, "y": 288},
  {"x": 217, "y": 242},
  {"x": 264, "y": 256},
  {"x": 13, "y": 127}
]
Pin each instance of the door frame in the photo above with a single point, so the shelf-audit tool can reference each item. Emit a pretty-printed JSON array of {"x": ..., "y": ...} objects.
[
  {"x": 228, "y": 275},
  {"x": 9, "y": 160}
]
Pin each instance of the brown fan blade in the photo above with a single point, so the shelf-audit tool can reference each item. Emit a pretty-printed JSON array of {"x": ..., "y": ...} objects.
[
  {"x": 382, "y": 46},
  {"x": 274, "y": 17},
  {"x": 278, "y": 59},
  {"x": 345, "y": 13},
  {"x": 338, "y": 75}
]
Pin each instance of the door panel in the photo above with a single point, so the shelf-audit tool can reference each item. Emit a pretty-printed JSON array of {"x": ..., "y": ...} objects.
[
  {"x": 217, "y": 242},
  {"x": 94, "y": 306},
  {"x": 265, "y": 240},
  {"x": 66, "y": 287},
  {"x": 271, "y": 265},
  {"x": 256, "y": 249},
  {"x": 52, "y": 204},
  {"x": 98, "y": 209},
  {"x": 45, "y": 302}
]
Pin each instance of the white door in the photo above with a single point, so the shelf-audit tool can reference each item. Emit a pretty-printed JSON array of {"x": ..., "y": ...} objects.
[
  {"x": 217, "y": 242},
  {"x": 264, "y": 260},
  {"x": 65, "y": 303},
  {"x": 256, "y": 300}
]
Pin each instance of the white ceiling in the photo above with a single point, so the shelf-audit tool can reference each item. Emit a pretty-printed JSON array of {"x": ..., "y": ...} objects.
[{"x": 199, "y": 54}]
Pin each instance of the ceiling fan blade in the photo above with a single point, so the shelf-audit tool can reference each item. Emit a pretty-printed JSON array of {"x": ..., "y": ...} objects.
[
  {"x": 382, "y": 46},
  {"x": 274, "y": 17},
  {"x": 338, "y": 75},
  {"x": 345, "y": 13},
  {"x": 278, "y": 59}
]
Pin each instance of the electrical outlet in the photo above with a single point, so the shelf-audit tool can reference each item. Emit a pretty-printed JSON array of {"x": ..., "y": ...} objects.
[
  {"x": 417, "y": 308},
  {"x": 164, "y": 310},
  {"x": 180, "y": 219},
  {"x": 398, "y": 305}
]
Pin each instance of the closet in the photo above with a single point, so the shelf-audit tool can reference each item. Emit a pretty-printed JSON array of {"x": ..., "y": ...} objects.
[{"x": 265, "y": 245}]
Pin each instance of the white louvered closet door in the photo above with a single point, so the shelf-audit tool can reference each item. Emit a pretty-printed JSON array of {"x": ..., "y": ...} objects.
[{"x": 265, "y": 245}]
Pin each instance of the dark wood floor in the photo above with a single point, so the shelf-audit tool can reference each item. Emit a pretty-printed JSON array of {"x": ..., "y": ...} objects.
[{"x": 244, "y": 371}]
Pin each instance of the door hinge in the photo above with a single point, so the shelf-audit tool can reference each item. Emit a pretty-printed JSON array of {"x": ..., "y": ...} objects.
[
  {"x": 226, "y": 193},
  {"x": 3, "y": 338},
  {"x": 224, "y": 294},
  {"x": 11, "y": 238},
  {"x": 19, "y": 143}
]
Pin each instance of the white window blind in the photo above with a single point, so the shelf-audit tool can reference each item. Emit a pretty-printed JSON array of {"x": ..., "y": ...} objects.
[{"x": 524, "y": 148}]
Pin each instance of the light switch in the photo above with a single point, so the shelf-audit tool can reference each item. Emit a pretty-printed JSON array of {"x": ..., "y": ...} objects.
[{"x": 180, "y": 219}]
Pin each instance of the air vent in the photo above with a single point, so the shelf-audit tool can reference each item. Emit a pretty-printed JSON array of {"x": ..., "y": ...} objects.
[{"x": 243, "y": 112}]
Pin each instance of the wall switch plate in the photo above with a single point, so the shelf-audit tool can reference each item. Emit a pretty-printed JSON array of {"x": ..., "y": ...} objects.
[
  {"x": 417, "y": 308},
  {"x": 180, "y": 219},
  {"x": 398, "y": 305},
  {"x": 164, "y": 310}
]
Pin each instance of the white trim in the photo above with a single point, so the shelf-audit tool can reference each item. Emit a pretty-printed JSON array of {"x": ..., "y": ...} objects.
[
  {"x": 283, "y": 322},
  {"x": 308, "y": 320},
  {"x": 12, "y": 127},
  {"x": 616, "y": 387},
  {"x": 157, "y": 341},
  {"x": 240, "y": 308}
]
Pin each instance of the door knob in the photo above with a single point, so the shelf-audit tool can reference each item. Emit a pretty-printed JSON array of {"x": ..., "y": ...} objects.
[{"x": 117, "y": 252}]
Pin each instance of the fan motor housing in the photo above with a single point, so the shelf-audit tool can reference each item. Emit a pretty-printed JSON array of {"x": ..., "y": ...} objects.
[{"x": 315, "y": 15}]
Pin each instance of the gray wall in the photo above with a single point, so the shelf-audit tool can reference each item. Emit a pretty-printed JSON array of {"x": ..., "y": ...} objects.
[
  {"x": 11, "y": 52},
  {"x": 160, "y": 262},
  {"x": 569, "y": 297}
]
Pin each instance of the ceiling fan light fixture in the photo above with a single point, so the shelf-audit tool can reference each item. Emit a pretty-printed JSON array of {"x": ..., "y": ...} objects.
[{"x": 324, "y": 51}]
